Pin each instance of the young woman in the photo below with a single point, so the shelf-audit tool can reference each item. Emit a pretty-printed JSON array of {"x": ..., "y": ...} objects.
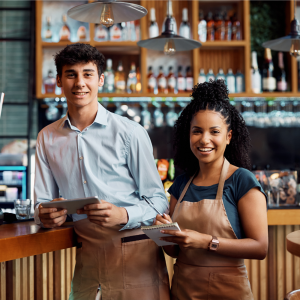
[{"x": 218, "y": 204}]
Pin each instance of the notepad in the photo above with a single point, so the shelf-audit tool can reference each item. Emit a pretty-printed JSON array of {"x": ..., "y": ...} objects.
[{"x": 153, "y": 232}]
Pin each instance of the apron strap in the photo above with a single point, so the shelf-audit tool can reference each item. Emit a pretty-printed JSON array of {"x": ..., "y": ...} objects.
[
  {"x": 186, "y": 188},
  {"x": 222, "y": 179}
]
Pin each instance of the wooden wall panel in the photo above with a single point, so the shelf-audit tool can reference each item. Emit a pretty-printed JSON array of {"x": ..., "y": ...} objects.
[{"x": 2, "y": 280}]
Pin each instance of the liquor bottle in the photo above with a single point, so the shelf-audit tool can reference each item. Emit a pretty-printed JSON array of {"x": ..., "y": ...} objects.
[
  {"x": 109, "y": 77},
  {"x": 65, "y": 33},
  {"x": 153, "y": 28},
  {"x": 171, "y": 81},
  {"x": 185, "y": 29},
  {"x": 202, "y": 31},
  {"x": 120, "y": 84},
  {"x": 281, "y": 77},
  {"x": 151, "y": 87},
  {"x": 236, "y": 29},
  {"x": 202, "y": 76},
  {"x": 81, "y": 33},
  {"x": 170, "y": 15},
  {"x": 220, "y": 28},
  {"x": 239, "y": 82},
  {"x": 181, "y": 82},
  {"x": 124, "y": 29},
  {"x": 210, "y": 27},
  {"x": 132, "y": 80},
  {"x": 230, "y": 81},
  {"x": 48, "y": 31},
  {"x": 115, "y": 32},
  {"x": 161, "y": 81},
  {"x": 189, "y": 79},
  {"x": 101, "y": 33},
  {"x": 210, "y": 75},
  {"x": 49, "y": 83},
  {"x": 220, "y": 75},
  {"x": 269, "y": 82},
  {"x": 133, "y": 36},
  {"x": 255, "y": 75},
  {"x": 228, "y": 28},
  {"x": 138, "y": 80}
]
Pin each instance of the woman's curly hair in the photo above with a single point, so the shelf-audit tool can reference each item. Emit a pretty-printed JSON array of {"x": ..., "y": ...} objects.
[{"x": 213, "y": 96}]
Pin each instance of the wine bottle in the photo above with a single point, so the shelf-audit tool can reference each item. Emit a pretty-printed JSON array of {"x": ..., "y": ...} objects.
[
  {"x": 132, "y": 80},
  {"x": 184, "y": 29},
  {"x": 210, "y": 27},
  {"x": 189, "y": 79},
  {"x": 228, "y": 28},
  {"x": 48, "y": 31},
  {"x": 220, "y": 28},
  {"x": 161, "y": 81},
  {"x": 236, "y": 29},
  {"x": 120, "y": 83},
  {"x": 109, "y": 77},
  {"x": 281, "y": 77},
  {"x": 65, "y": 33},
  {"x": 151, "y": 81},
  {"x": 255, "y": 75},
  {"x": 170, "y": 15},
  {"x": 181, "y": 82},
  {"x": 269, "y": 82},
  {"x": 153, "y": 28},
  {"x": 171, "y": 81}
]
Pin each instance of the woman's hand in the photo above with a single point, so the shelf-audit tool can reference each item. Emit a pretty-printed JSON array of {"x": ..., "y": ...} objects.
[
  {"x": 166, "y": 219},
  {"x": 187, "y": 238}
]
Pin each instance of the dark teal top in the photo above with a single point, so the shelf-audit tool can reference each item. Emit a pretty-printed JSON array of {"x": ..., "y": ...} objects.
[{"x": 235, "y": 187}]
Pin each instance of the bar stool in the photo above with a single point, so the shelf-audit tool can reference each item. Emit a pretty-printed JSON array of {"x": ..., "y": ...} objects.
[{"x": 293, "y": 295}]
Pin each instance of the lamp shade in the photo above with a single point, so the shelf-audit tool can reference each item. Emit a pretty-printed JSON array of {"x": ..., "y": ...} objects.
[
  {"x": 180, "y": 43},
  {"x": 122, "y": 11}
]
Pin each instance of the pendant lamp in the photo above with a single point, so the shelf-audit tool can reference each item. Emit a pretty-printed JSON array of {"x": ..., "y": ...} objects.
[
  {"x": 168, "y": 41},
  {"x": 107, "y": 12},
  {"x": 289, "y": 43}
]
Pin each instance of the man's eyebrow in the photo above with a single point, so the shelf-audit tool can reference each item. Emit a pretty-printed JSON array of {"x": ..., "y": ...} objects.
[{"x": 85, "y": 70}]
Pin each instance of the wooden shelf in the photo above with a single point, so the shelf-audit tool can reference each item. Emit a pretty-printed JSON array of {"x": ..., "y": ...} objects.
[
  {"x": 222, "y": 44},
  {"x": 60, "y": 44},
  {"x": 283, "y": 217}
]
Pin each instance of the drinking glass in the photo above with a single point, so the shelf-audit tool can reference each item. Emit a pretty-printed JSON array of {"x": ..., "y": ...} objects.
[
  {"x": 171, "y": 116},
  {"x": 248, "y": 112},
  {"x": 158, "y": 115},
  {"x": 22, "y": 208},
  {"x": 261, "y": 119}
]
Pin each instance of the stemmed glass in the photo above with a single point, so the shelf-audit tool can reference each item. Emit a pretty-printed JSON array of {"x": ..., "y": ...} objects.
[
  {"x": 171, "y": 116},
  {"x": 146, "y": 116},
  {"x": 158, "y": 115}
]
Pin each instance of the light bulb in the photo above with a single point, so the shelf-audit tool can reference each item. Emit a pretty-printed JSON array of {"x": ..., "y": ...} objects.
[
  {"x": 295, "y": 48},
  {"x": 169, "y": 48},
  {"x": 107, "y": 16}
]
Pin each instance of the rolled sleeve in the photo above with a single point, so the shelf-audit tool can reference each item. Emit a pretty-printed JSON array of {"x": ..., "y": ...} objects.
[{"x": 143, "y": 169}]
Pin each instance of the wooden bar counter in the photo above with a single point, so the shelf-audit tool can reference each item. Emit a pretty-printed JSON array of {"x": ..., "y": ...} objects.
[{"x": 38, "y": 263}]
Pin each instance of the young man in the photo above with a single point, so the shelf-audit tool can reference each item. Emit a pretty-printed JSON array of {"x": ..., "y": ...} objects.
[{"x": 92, "y": 152}]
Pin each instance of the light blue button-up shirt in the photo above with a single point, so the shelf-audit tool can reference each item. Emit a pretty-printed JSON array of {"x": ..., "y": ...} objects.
[{"x": 112, "y": 159}]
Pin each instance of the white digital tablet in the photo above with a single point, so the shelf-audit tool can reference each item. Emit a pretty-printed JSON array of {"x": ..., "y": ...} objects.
[{"x": 71, "y": 205}]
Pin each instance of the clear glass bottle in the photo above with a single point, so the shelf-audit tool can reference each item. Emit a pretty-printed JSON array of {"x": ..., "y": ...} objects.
[
  {"x": 48, "y": 32},
  {"x": 151, "y": 86},
  {"x": 189, "y": 79},
  {"x": 170, "y": 15},
  {"x": 49, "y": 83},
  {"x": 65, "y": 32},
  {"x": 109, "y": 77},
  {"x": 101, "y": 33},
  {"x": 161, "y": 81},
  {"x": 132, "y": 79},
  {"x": 120, "y": 83},
  {"x": 181, "y": 82},
  {"x": 281, "y": 77},
  {"x": 115, "y": 32},
  {"x": 230, "y": 81},
  {"x": 185, "y": 29},
  {"x": 220, "y": 75},
  {"x": 158, "y": 115},
  {"x": 153, "y": 28},
  {"x": 228, "y": 28},
  {"x": 171, "y": 81},
  {"x": 239, "y": 82},
  {"x": 269, "y": 82},
  {"x": 236, "y": 29},
  {"x": 202, "y": 30},
  {"x": 201, "y": 76},
  {"x": 255, "y": 75},
  {"x": 210, "y": 75},
  {"x": 81, "y": 33}
]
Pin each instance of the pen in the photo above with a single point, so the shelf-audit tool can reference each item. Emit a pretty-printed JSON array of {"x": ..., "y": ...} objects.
[{"x": 151, "y": 204}]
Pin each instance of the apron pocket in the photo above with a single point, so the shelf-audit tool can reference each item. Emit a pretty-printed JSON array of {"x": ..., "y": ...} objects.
[
  {"x": 76, "y": 281},
  {"x": 229, "y": 287},
  {"x": 140, "y": 263}
]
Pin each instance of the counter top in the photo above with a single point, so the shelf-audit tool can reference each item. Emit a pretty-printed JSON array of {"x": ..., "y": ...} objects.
[
  {"x": 293, "y": 242},
  {"x": 27, "y": 239}
]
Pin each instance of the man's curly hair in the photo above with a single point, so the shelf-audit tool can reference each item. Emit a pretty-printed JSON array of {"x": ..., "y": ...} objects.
[
  {"x": 79, "y": 53},
  {"x": 212, "y": 96}
]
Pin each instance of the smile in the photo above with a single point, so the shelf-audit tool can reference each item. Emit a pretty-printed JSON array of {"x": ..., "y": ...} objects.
[
  {"x": 80, "y": 94},
  {"x": 205, "y": 149}
]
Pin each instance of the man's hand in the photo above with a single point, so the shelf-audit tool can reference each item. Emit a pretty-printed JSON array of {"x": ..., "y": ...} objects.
[
  {"x": 51, "y": 217},
  {"x": 105, "y": 214},
  {"x": 165, "y": 219}
]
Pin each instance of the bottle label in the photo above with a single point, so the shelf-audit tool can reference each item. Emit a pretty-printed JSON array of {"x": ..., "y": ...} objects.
[
  {"x": 153, "y": 31},
  {"x": 162, "y": 82},
  {"x": 110, "y": 79},
  {"x": 151, "y": 82},
  {"x": 269, "y": 84},
  {"x": 282, "y": 86},
  {"x": 189, "y": 83},
  {"x": 101, "y": 33},
  {"x": 116, "y": 33},
  {"x": 231, "y": 84},
  {"x": 181, "y": 84},
  {"x": 255, "y": 82},
  {"x": 201, "y": 79},
  {"x": 184, "y": 31},
  {"x": 239, "y": 84},
  {"x": 202, "y": 31},
  {"x": 48, "y": 34},
  {"x": 120, "y": 85},
  {"x": 65, "y": 33},
  {"x": 171, "y": 82}
]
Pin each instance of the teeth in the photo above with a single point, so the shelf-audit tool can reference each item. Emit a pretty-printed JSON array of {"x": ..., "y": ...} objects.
[
  {"x": 205, "y": 149},
  {"x": 80, "y": 94}
]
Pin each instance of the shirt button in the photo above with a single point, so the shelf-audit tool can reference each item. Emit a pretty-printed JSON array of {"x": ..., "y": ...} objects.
[
  {"x": 84, "y": 182},
  {"x": 80, "y": 134},
  {"x": 81, "y": 157}
]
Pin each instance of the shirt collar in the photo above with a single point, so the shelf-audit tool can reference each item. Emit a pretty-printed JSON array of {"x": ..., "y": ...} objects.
[{"x": 101, "y": 117}]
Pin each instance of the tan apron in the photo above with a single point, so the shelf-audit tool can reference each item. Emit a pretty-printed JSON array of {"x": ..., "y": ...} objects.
[
  {"x": 204, "y": 274},
  {"x": 124, "y": 263}
]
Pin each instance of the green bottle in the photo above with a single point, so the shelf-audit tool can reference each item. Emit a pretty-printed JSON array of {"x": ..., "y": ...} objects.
[{"x": 171, "y": 171}]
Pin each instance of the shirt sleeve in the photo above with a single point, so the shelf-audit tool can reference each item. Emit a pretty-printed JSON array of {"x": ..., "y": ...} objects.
[
  {"x": 142, "y": 167},
  {"x": 246, "y": 181},
  {"x": 45, "y": 187}
]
